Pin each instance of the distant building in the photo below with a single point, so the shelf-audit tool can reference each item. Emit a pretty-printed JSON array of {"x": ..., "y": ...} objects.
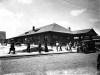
[
  {"x": 53, "y": 33},
  {"x": 2, "y": 36}
]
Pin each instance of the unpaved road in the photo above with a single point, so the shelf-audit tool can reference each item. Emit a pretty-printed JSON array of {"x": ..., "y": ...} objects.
[{"x": 55, "y": 64}]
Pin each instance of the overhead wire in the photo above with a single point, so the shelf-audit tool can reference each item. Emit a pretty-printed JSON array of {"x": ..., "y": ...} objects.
[
  {"x": 90, "y": 9},
  {"x": 73, "y": 7},
  {"x": 81, "y": 5}
]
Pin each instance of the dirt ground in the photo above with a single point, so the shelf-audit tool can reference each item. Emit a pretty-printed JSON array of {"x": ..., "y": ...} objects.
[{"x": 54, "y": 64}]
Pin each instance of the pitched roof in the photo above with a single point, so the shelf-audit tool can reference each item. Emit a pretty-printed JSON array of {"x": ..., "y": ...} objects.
[
  {"x": 84, "y": 31},
  {"x": 52, "y": 27}
]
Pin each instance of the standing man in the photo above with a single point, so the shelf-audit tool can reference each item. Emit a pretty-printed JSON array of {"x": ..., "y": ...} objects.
[
  {"x": 57, "y": 45},
  {"x": 12, "y": 47},
  {"x": 45, "y": 43},
  {"x": 39, "y": 46},
  {"x": 51, "y": 44},
  {"x": 60, "y": 45},
  {"x": 28, "y": 46},
  {"x": 46, "y": 47},
  {"x": 78, "y": 47},
  {"x": 67, "y": 46},
  {"x": 70, "y": 46}
]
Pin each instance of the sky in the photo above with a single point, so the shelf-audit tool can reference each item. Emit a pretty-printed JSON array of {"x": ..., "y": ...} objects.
[{"x": 18, "y": 16}]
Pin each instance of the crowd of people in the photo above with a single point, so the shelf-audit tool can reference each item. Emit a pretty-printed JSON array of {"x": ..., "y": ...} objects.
[
  {"x": 12, "y": 47},
  {"x": 85, "y": 46},
  {"x": 79, "y": 46},
  {"x": 68, "y": 46}
]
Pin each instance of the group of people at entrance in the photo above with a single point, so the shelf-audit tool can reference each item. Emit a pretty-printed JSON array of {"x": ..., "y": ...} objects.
[
  {"x": 68, "y": 46},
  {"x": 75, "y": 45}
]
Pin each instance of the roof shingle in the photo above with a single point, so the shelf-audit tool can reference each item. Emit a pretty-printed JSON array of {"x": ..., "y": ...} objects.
[
  {"x": 81, "y": 31},
  {"x": 52, "y": 27}
]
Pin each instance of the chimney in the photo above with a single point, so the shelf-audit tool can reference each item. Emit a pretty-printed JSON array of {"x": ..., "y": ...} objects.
[
  {"x": 33, "y": 28},
  {"x": 69, "y": 28}
]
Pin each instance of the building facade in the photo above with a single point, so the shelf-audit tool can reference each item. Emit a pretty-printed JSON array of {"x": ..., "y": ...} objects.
[{"x": 53, "y": 33}]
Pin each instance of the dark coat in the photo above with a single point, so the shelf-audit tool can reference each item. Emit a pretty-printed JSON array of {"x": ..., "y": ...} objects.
[
  {"x": 28, "y": 45},
  {"x": 12, "y": 45},
  {"x": 98, "y": 58},
  {"x": 46, "y": 47}
]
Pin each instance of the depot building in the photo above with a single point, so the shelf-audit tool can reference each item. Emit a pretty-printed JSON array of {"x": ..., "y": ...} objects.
[{"x": 53, "y": 33}]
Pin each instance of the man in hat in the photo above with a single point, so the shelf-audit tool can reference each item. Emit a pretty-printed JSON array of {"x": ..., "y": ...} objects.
[
  {"x": 57, "y": 45},
  {"x": 60, "y": 46},
  {"x": 46, "y": 47},
  {"x": 39, "y": 46},
  {"x": 28, "y": 46},
  {"x": 12, "y": 47}
]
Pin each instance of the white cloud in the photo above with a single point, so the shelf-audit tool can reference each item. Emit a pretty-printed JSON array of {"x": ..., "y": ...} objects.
[
  {"x": 10, "y": 26},
  {"x": 7, "y": 13},
  {"x": 10, "y": 22},
  {"x": 43, "y": 22},
  {"x": 25, "y": 1},
  {"x": 4, "y": 12},
  {"x": 49, "y": 21},
  {"x": 94, "y": 20},
  {"x": 77, "y": 12},
  {"x": 20, "y": 15},
  {"x": 62, "y": 22}
]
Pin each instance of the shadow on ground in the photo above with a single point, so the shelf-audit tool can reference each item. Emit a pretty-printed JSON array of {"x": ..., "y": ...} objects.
[{"x": 34, "y": 49}]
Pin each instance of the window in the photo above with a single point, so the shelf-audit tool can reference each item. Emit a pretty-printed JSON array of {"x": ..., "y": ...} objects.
[{"x": 76, "y": 37}]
